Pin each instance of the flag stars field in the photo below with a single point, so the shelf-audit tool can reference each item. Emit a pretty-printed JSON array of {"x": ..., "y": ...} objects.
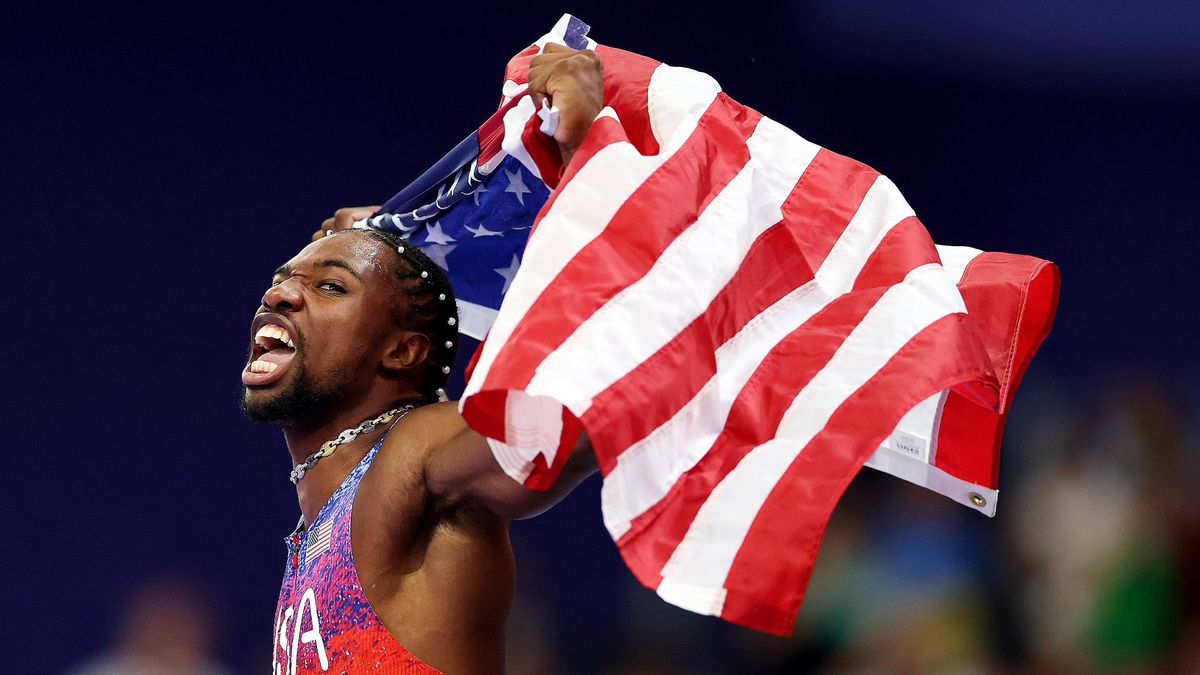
[
  {"x": 435, "y": 235},
  {"x": 516, "y": 185},
  {"x": 438, "y": 254},
  {"x": 478, "y": 191},
  {"x": 482, "y": 231},
  {"x": 509, "y": 272}
]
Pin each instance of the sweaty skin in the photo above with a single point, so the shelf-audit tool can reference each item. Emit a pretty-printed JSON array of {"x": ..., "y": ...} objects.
[{"x": 430, "y": 520}]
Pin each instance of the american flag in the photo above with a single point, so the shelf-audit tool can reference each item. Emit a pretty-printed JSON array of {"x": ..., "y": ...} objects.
[
  {"x": 319, "y": 539},
  {"x": 739, "y": 318}
]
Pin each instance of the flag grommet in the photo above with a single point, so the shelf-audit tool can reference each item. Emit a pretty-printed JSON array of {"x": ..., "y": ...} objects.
[{"x": 978, "y": 500}]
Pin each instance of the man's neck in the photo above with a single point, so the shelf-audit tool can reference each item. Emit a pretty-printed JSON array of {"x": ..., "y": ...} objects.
[{"x": 320, "y": 482}]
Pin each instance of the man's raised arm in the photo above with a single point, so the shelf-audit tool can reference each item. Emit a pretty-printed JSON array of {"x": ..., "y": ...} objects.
[{"x": 463, "y": 472}]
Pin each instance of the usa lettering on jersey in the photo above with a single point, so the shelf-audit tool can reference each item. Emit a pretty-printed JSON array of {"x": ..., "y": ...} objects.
[{"x": 298, "y": 628}]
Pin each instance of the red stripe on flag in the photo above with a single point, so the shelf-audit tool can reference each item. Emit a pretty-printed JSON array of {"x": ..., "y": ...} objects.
[
  {"x": 774, "y": 266},
  {"x": 543, "y": 475},
  {"x": 776, "y": 558},
  {"x": 753, "y": 420},
  {"x": 633, "y": 240},
  {"x": 543, "y": 150},
  {"x": 518, "y": 66},
  {"x": 485, "y": 412},
  {"x": 824, "y": 202},
  {"x": 766, "y": 275},
  {"x": 1011, "y": 301},
  {"x": 626, "y": 83},
  {"x": 604, "y": 132},
  {"x": 755, "y": 416},
  {"x": 904, "y": 248}
]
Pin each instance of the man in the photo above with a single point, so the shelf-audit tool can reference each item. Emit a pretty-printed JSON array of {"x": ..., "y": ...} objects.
[{"x": 401, "y": 562}]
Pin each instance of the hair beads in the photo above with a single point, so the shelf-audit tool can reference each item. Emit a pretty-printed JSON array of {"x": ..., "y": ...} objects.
[{"x": 427, "y": 291}]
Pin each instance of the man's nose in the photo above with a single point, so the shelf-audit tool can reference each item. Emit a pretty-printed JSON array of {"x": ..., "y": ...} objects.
[{"x": 284, "y": 295}]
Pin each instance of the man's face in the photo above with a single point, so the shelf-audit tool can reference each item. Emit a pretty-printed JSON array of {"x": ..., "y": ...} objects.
[{"x": 316, "y": 339}]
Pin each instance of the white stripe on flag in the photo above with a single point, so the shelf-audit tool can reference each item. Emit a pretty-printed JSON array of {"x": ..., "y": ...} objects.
[
  {"x": 514, "y": 127},
  {"x": 578, "y": 215},
  {"x": 474, "y": 320},
  {"x": 671, "y": 100},
  {"x": 646, "y": 471},
  {"x": 930, "y": 477},
  {"x": 532, "y": 424},
  {"x": 910, "y": 451},
  {"x": 956, "y": 258},
  {"x": 650, "y": 312},
  {"x": 704, "y": 556}
]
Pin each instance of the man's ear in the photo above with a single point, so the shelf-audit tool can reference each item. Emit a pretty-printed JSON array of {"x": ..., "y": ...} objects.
[{"x": 405, "y": 350}]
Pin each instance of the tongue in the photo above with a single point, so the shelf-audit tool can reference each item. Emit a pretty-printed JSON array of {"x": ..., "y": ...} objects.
[{"x": 279, "y": 356}]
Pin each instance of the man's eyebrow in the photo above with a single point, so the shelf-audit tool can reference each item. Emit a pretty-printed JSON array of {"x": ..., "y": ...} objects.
[
  {"x": 286, "y": 268},
  {"x": 337, "y": 263}
]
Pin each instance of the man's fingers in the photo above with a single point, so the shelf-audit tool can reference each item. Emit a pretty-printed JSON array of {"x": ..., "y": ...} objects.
[
  {"x": 542, "y": 66},
  {"x": 573, "y": 81},
  {"x": 346, "y": 217},
  {"x": 549, "y": 72}
]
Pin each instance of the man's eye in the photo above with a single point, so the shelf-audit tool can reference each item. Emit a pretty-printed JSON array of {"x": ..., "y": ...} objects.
[{"x": 332, "y": 286}]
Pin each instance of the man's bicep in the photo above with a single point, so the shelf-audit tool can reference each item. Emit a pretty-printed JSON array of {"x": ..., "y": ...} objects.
[{"x": 463, "y": 471}]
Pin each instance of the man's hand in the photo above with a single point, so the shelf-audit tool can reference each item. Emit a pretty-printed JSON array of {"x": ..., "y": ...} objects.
[
  {"x": 344, "y": 218},
  {"x": 573, "y": 81}
]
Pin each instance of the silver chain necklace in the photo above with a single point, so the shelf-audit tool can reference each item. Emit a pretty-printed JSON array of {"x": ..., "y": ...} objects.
[{"x": 346, "y": 436}]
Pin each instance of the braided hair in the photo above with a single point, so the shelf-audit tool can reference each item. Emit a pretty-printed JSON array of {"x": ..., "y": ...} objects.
[{"x": 428, "y": 307}]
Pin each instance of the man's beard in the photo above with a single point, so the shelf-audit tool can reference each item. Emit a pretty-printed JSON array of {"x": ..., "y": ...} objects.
[{"x": 303, "y": 401}]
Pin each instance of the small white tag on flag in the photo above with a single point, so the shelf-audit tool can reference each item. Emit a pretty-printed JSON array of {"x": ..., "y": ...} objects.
[{"x": 910, "y": 444}]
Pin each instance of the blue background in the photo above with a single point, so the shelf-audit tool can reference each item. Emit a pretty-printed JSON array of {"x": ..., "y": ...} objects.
[{"x": 160, "y": 161}]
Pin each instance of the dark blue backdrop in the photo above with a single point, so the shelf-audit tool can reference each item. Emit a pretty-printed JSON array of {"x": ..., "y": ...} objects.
[{"x": 159, "y": 163}]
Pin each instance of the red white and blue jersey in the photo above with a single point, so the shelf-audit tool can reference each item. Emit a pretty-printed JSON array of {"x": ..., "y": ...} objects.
[{"x": 323, "y": 622}]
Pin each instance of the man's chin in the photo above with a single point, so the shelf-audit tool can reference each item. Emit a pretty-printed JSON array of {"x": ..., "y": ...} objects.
[
  {"x": 293, "y": 404},
  {"x": 257, "y": 407}
]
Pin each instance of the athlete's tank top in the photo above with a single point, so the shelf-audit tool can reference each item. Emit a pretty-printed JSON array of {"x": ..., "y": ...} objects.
[{"x": 323, "y": 622}]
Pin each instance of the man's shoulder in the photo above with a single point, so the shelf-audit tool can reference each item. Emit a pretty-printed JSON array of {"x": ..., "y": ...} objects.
[
  {"x": 427, "y": 427},
  {"x": 409, "y": 444}
]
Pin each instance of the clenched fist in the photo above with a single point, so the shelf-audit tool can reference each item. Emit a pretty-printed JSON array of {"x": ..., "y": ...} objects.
[
  {"x": 344, "y": 218},
  {"x": 573, "y": 81}
]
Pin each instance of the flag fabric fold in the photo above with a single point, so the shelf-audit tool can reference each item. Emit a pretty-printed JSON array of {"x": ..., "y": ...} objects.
[{"x": 739, "y": 318}]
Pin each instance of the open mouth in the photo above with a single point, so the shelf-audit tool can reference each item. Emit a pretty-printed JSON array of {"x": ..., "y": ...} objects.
[{"x": 272, "y": 352}]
